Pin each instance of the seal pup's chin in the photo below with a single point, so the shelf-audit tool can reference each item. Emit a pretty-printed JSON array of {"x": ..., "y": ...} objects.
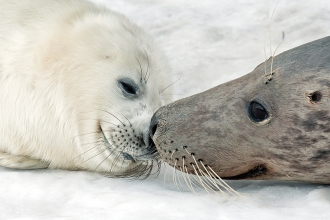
[{"x": 150, "y": 153}]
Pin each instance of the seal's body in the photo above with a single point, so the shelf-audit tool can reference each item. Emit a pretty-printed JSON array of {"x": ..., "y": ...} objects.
[
  {"x": 273, "y": 123},
  {"x": 78, "y": 86}
]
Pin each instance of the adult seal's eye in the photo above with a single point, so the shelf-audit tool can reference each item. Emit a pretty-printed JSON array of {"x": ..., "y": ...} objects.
[
  {"x": 128, "y": 87},
  {"x": 257, "y": 112}
]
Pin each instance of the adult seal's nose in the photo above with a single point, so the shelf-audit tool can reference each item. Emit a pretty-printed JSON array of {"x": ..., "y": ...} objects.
[{"x": 153, "y": 125}]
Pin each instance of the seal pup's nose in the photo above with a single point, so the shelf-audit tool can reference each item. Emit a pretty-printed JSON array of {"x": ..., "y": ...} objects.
[{"x": 153, "y": 125}]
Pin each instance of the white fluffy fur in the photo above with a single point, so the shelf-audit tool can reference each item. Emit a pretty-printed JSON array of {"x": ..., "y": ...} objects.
[{"x": 59, "y": 65}]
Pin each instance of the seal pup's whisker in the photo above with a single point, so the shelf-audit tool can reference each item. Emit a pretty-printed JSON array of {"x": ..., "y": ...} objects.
[
  {"x": 146, "y": 76},
  {"x": 100, "y": 152},
  {"x": 102, "y": 162},
  {"x": 89, "y": 149},
  {"x": 140, "y": 67},
  {"x": 114, "y": 162},
  {"x": 130, "y": 124},
  {"x": 170, "y": 86},
  {"x": 106, "y": 158},
  {"x": 139, "y": 171},
  {"x": 94, "y": 142},
  {"x": 118, "y": 118},
  {"x": 102, "y": 120},
  {"x": 129, "y": 173},
  {"x": 113, "y": 116},
  {"x": 159, "y": 165},
  {"x": 116, "y": 126},
  {"x": 133, "y": 173},
  {"x": 79, "y": 135},
  {"x": 94, "y": 132},
  {"x": 148, "y": 168}
]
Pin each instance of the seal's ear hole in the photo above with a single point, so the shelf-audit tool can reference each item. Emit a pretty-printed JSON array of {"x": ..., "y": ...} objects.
[
  {"x": 257, "y": 112},
  {"x": 315, "y": 96}
]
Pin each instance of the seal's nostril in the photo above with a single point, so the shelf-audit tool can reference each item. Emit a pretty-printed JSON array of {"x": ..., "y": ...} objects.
[
  {"x": 151, "y": 145},
  {"x": 148, "y": 142},
  {"x": 153, "y": 131},
  {"x": 153, "y": 125}
]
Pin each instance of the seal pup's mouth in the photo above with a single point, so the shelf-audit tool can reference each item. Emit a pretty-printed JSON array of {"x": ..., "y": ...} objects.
[
  {"x": 252, "y": 173},
  {"x": 123, "y": 155},
  {"x": 126, "y": 156},
  {"x": 150, "y": 153}
]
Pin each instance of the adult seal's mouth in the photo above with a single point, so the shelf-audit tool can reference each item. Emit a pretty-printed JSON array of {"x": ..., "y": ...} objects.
[{"x": 251, "y": 174}]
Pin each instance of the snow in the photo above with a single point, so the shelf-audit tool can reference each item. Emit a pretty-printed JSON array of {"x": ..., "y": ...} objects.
[{"x": 208, "y": 42}]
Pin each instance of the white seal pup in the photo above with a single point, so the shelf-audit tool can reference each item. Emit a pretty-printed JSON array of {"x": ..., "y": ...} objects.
[{"x": 79, "y": 84}]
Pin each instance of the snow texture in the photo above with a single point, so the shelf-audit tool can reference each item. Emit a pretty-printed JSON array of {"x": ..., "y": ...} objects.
[{"x": 208, "y": 42}]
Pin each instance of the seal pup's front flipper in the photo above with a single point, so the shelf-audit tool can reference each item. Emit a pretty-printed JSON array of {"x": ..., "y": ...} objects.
[{"x": 21, "y": 162}]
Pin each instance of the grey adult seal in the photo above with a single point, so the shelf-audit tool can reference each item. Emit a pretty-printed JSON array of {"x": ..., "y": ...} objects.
[{"x": 273, "y": 123}]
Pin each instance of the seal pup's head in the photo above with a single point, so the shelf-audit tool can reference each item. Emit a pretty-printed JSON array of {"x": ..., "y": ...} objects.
[
  {"x": 273, "y": 123},
  {"x": 115, "y": 79},
  {"x": 92, "y": 81}
]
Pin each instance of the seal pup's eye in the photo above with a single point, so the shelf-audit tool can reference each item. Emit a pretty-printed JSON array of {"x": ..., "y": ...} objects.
[
  {"x": 257, "y": 112},
  {"x": 128, "y": 87}
]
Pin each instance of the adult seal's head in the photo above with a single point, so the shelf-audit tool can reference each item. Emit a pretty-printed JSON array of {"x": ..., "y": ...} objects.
[
  {"x": 273, "y": 123},
  {"x": 78, "y": 87}
]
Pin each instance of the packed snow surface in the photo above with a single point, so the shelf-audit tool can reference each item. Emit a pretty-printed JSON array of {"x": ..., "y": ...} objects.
[{"x": 207, "y": 42}]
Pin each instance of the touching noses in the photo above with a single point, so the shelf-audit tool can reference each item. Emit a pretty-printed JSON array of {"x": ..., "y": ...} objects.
[
  {"x": 148, "y": 134},
  {"x": 153, "y": 125}
]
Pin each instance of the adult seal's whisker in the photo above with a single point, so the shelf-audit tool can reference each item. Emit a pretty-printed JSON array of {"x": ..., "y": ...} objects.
[{"x": 174, "y": 177}]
